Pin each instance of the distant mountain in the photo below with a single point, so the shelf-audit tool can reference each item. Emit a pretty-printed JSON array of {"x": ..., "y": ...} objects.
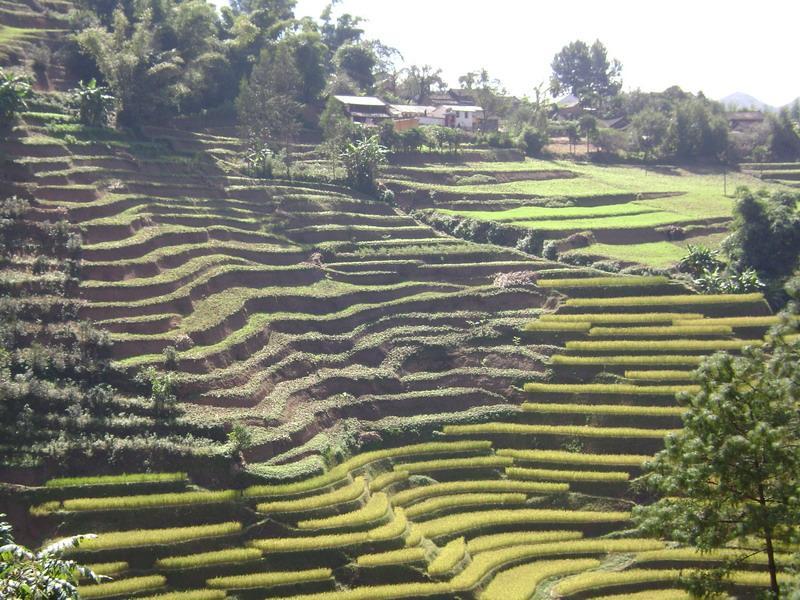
[{"x": 743, "y": 101}]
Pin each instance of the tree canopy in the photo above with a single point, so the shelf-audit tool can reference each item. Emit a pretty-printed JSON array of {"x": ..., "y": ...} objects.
[
  {"x": 586, "y": 72},
  {"x": 731, "y": 477}
]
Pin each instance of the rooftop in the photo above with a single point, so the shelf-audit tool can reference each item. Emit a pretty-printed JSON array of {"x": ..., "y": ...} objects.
[{"x": 361, "y": 100}]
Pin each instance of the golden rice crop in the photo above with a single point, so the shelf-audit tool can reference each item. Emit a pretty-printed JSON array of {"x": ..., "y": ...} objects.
[
  {"x": 460, "y": 487},
  {"x": 659, "y": 345},
  {"x": 448, "y": 557},
  {"x": 269, "y": 579},
  {"x": 447, "y": 464},
  {"x": 128, "y": 586},
  {"x": 519, "y": 538},
  {"x": 624, "y": 281},
  {"x": 575, "y": 458},
  {"x": 384, "y": 480},
  {"x": 650, "y": 595},
  {"x": 376, "y": 509},
  {"x": 666, "y": 359},
  {"x": 607, "y": 317},
  {"x": 676, "y": 300},
  {"x": 607, "y": 388},
  {"x": 602, "y": 409},
  {"x": 400, "y": 591},
  {"x": 463, "y": 522},
  {"x": 126, "y": 478},
  {"x": 554, "y": 475},
  {"x": 393, "y": 529},
  {"x": 347, "y": 493},
  {"x": 660, "y": 375},
  {"x": 150, "y": 537},
  {"x": 342, "y": 470},
  {"x": 730, "y": 321},
  {"x": 566, "y": 430},
  {"x": 393, "y": 557},
  {"x": 190, "y": 595},
  {"x": 558, "y": 326},
  {"x": 433, "y": 505},
  {"x": 207, "y": 559},
  {"x": 671, "y": 330},
  {"x": 520, "y": 583},
  {"x": 109, "y": 568},
  {"x": 150, "y": 501}
]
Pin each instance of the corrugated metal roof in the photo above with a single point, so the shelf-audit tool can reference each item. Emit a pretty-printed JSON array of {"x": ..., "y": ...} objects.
[{"x": 361, "y": 100}]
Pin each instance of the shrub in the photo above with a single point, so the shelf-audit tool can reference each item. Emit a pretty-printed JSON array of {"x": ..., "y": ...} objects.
[
  {"x": 14, "y": 90},
  {"x": 448, "y": 558},
  {"x": 271, "y": 579},
  {"x": 533, "y": 141},
  {"x": 361, "y": 160},
  {"x": 376, "y": 509},
  {"x": 94, "y": 103}
]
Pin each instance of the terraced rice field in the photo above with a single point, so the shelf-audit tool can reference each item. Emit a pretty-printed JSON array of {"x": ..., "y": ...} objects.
[
  {"x": 634, "y": 216},
  {"x": 419, "y": 430},
  {"x": 529, "y": 502}
]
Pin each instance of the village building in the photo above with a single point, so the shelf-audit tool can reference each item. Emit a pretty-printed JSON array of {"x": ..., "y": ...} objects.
[
  {"x": 453, "y": 96},
  {"x": 745, "y": 120},
  {"x": 424, "y": 115},
  {"x": 457, "y": 116},
  {"x": 367, "y": 110}
]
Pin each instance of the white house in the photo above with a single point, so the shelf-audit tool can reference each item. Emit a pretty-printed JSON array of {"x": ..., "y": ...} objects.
[
  {"x": 423, "y": 114},
  {"x": 460, "y": 117}
]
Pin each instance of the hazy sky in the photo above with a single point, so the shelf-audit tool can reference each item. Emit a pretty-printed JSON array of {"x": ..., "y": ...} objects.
[{"x": 716, "y": 47}]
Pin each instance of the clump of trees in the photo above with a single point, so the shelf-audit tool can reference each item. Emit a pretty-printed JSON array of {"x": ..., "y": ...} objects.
[
  {"x": 731, "y": 477},
  {"x": 33, "y": 575},
  {"x": 14, "y": 91}
]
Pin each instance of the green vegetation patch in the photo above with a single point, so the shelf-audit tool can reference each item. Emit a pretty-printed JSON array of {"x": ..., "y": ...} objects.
[
  {"x": 660, "y": 375},
  {"x": 659, "y": 345},
  {"x": 150, "y": 501},
  {"x": 666, "y": 359},
  {"x": 448, "y": 464},
  {"x": 393, "y": 557},
  {"x": 496, "y": 541},
  {"x": 602, "y": 409},
  {"x": 622, "y": 281},
  {"x": 670, "y": 330},
  {"x": 442, "y": 503},
  {"x": 190, "y": 595},
  {"x": 595, "y": 318}
]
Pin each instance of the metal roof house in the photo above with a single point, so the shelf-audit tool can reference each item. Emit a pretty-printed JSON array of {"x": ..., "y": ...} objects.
[{"x": 367, "y": 110}]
